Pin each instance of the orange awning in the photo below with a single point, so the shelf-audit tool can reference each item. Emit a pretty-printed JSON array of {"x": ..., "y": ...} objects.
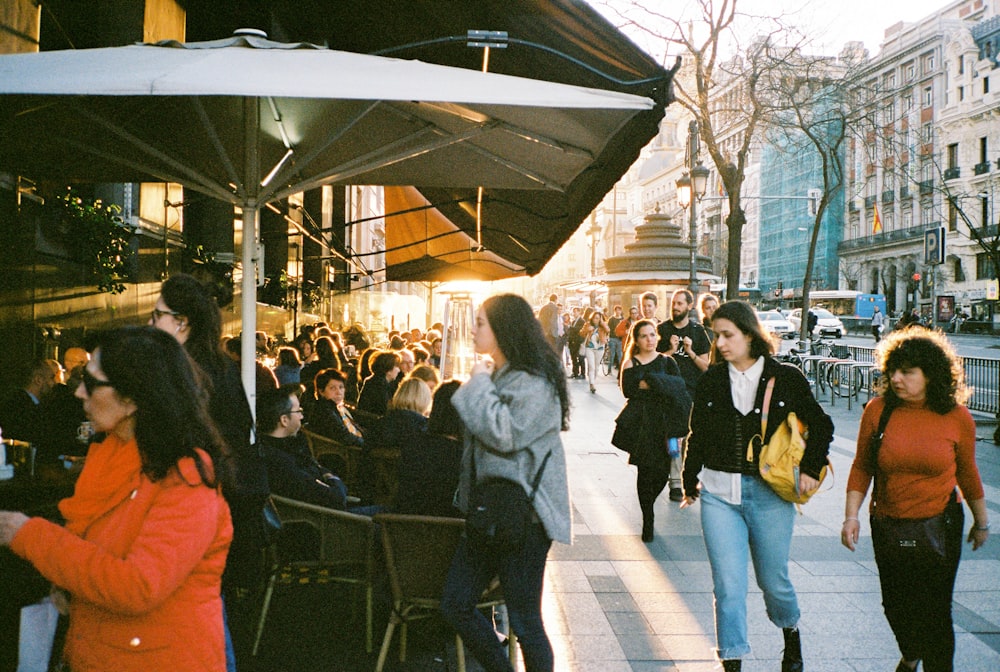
[{"x": 423, "y": 244}]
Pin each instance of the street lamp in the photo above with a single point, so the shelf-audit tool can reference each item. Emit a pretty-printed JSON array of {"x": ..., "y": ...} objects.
[{"x": 690, "y": 189}]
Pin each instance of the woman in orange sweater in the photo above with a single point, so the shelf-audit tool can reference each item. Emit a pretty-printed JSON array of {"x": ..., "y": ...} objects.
[
  {"x": 147, "y": 531},
  {"x": 926, "y": 449}
]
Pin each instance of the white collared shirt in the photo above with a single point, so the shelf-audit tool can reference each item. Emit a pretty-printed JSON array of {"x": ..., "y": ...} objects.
[{"x": 722, "y": 484}]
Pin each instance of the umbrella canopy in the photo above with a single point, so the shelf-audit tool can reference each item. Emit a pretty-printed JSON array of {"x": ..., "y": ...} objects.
[{"x": 248, "y": 121}]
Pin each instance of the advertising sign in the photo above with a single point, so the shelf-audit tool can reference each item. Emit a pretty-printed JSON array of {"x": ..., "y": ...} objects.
[{"x": 945, "y": 308}]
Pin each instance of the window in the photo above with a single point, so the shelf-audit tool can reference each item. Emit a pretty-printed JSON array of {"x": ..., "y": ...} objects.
[
  {"x": 986, "y": 84},
  {"x": 961, "y": 93},
  {"x": 984, "y": 211},
  {"x": 928, "y": 96},
  {"x": 907, "y": 219},
  {"x": 888, "y": 181},
  {"x": 908, "y": 102},
  {"x": 911, "y": 71},
  {"x": 926, "y": 134},
  {"x": 984, "y": 267},
  {"x": 952, "y": 215},
  {"x": 888, "y": 114},
  {"x": 890, "y": 81},
  {"x": 982, "y": 150},
  {"x": 890, "y": 221},
  {"x": 953, "y": 155},
  {"x": 928, "y": 64},
  {"x": 926, "y": 213},
  {"x": 926, "y": 171},
  {"x": 957, "y": 271},
  {"x": 961, "y": 65}
]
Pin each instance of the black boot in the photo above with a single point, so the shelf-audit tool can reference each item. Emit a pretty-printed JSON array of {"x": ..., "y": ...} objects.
[
  {"x": 732, "y": 665},
  {"x": 791, "y": 661},
  {"x": 647, "y": 527}
]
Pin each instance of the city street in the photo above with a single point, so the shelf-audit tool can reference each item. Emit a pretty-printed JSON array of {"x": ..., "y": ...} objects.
[{"x": 615, "y": 604}]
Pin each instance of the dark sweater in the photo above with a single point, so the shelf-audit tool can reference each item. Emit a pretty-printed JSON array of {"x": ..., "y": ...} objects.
[
  {"x": 716, "y": 424},
  {"x": 325, "y": 419},
  {"x": 293, "y": 473}
]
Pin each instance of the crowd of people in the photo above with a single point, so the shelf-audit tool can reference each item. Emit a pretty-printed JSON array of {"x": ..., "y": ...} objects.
[{"x": 162, "y": 550}]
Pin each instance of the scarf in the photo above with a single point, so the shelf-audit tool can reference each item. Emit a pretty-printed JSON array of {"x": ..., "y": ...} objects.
[{"x": 112, "y": 472}]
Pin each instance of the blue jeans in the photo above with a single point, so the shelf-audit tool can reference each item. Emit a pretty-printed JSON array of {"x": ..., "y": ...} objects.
[
  {"x": 616, "y": 351},
  {"x": 761, "y": 527},
  {"x": 521, "y": 576}
]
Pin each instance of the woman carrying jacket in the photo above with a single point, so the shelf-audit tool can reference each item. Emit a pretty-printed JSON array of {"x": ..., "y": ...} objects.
[
  {"x": 147, "y": 530},
  {"x": 740, "y": 515},
  {"x": 657, "y": 409},
  {"x": 513, "y": 408}
]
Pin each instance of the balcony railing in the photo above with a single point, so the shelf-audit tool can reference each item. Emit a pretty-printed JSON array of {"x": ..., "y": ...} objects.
[
  {"x": 926, "y": 187},
  {"x": 888, "y": 196},
  {"x": 884, "y": 238},
  {"x": 869, "y": 202},
  {"x": 981, "y": 168},
  {"x": 852, "y": 205},
  {"x": 952, "y": 173},
  {"x": 904, "y": 192}
]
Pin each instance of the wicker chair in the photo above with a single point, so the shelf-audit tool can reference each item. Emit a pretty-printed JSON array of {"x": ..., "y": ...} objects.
[
  {"x": 418, "y": 553},
  {"x": 346, "y": 555}
]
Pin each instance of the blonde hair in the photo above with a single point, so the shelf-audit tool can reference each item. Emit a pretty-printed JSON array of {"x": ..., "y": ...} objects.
[{"x": 412, "y": 395}]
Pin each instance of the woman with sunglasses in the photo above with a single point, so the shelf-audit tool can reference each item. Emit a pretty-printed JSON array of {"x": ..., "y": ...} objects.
[
  {"x": 187, "y": 310},
  {"x": 144, "y": 545}
]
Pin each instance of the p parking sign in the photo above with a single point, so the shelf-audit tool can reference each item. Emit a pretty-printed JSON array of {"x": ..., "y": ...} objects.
[{"x": 934, "y": 246}]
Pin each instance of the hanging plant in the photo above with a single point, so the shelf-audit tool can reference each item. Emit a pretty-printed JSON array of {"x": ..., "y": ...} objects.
[{"x": 97, "y": 237}]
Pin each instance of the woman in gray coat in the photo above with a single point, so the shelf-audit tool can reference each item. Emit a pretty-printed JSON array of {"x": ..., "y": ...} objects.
[{"x": 513, "y": 408}]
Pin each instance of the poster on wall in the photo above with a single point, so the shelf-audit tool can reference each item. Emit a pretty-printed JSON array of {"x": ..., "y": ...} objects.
[{"x": 945, "y": 308}]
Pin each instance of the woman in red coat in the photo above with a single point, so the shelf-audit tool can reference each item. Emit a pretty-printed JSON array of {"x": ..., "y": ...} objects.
[{"x": 147, "y": 531}]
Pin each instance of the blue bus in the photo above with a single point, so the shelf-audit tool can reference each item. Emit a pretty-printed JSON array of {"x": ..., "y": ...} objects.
[{"x": 848, "y": 303}]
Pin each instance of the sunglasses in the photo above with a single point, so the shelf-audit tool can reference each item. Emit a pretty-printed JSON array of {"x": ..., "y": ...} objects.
[
  {"x": 157, "y": 314},
  {"x": 90, "y": 383}
]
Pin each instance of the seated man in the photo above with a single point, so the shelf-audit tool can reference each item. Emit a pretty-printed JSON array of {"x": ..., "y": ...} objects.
[
  {"x": 21, "y": 414},
  {"x": 291, "y": 470}
]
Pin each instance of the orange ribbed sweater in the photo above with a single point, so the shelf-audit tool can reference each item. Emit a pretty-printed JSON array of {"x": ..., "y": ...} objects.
[{"x": 923, "y": 456}]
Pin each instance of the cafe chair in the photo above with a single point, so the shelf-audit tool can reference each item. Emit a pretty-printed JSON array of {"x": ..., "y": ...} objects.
[
  {"x": 418, "y": 552},
  {"x": 346, "y": 555},
  {"x": 349, "y": 456},
  {"x": 385, "y": 472}
]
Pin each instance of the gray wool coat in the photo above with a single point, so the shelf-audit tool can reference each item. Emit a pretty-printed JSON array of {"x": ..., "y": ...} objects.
[{"x": 512, "y": 419}]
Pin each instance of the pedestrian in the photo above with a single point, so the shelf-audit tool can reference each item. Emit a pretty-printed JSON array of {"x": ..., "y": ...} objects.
[
  {"x": 707, "y": 305},
  {"x": 656, "y": 412},
  {"x": 614, "y": 340},
  {"x": 741, "y": 516},
  {"x": 595, "y": 339},
  {"x": 917, "y": 443},
  {"x": 878, "y": 324},
  {"x": 513, "y": 408}
]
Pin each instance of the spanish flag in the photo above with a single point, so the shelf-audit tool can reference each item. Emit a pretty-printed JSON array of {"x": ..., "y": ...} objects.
[{"x": 877, "y": 222}]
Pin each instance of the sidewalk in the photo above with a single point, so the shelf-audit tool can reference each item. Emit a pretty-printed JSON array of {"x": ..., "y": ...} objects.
[{"x": 614, "y": 604}]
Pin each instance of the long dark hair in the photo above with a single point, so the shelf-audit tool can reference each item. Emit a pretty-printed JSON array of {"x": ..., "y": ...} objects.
[
  {"x": 743, "y": 317},
  {"x": 149, "y": 367},
  {"x": 520, "y": 339},
  {"x": 931, "y": 352},
  {"x": 444, "y": 419},
  {"x": 186, "y": 295},
  {"x": 633, "y": 335}
]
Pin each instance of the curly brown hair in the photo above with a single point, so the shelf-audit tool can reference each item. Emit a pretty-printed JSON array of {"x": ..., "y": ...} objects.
[{"x": 931, "y": 352}]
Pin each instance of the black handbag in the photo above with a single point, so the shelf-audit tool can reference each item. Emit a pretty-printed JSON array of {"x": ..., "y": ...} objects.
[
  {"x": 500, "y": 512},
  {"x": 914, "y": 535}
]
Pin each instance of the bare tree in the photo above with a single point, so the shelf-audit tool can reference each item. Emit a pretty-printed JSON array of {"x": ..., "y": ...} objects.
[
  {"x": 721, "y": 92},
  {"x": 809, "y": 114}
]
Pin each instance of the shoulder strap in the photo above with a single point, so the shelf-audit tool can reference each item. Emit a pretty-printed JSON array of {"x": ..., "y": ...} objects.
[
  {"x": 763, "y": 418},
  {"x": 875, "y": 444},
  {"x": 538, "y": 477}
]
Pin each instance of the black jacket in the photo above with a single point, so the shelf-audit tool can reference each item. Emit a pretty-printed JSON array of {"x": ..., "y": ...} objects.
[
  {"x": 652, "y": 415},
  {"x": 293, "y": 473},
  {"x": 324, "y": 418},
  {"x": 712, "y": 443}
]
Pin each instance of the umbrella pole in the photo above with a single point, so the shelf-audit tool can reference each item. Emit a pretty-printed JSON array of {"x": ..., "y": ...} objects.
[{"x": 251, "y": 217}]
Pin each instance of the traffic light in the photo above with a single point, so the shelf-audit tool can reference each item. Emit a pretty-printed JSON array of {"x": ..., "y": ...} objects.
[{"x": 916, "y": 277}]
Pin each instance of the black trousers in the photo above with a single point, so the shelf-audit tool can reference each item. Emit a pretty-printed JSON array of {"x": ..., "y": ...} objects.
[
  {"x": 650, "y": 481},
  {"x": 917, "y": 589}
]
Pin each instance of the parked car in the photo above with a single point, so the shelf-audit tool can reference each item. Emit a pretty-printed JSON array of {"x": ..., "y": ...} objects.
[
  {"x": 827, "y": 324},
  {"x": 776, "y": 323}
]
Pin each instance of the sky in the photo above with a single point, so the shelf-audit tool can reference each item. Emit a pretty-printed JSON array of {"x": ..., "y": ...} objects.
[{"x": 831, "y": 23}]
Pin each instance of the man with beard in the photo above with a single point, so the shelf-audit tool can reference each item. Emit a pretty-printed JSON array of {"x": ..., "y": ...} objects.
[{"x": 686, "y": 341}]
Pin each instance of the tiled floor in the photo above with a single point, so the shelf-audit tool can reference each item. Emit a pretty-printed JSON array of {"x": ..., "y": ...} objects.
[{"x": 614, "y": 604}]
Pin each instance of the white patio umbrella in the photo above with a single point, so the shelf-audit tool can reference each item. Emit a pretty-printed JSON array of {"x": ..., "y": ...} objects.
[{"x": 249, "y": 121}]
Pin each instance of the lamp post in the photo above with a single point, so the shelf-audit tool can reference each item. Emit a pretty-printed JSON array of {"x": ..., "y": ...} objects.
[
  {"x": 690, "y": 189},
  {"x": 595, "y": 236}
]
